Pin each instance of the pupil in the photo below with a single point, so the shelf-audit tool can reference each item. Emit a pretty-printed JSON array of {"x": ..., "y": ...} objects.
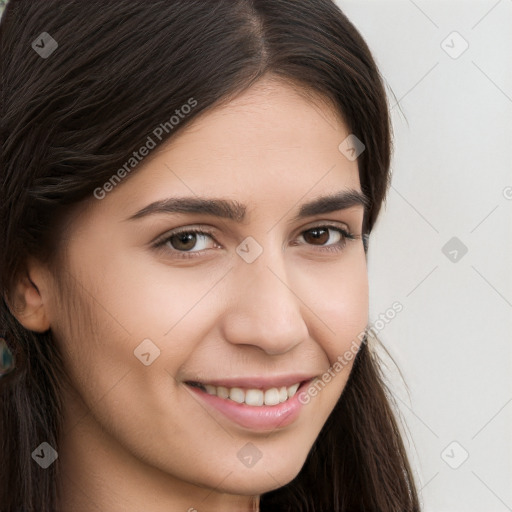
[
  {"x": 317, "y": 234},
  {"x": 186, "y": 241}
]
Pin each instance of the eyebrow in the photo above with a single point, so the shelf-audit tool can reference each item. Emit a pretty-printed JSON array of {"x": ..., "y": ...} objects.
[{"x": 235, "y": 211}]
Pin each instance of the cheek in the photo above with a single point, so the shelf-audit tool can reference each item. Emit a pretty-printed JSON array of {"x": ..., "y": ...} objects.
[
  {"x": 116, "y": 309},
  {"x": 338, "y": 296},
  {"x": 150, "y": 299},
  {"x": 338, "y": 300}
]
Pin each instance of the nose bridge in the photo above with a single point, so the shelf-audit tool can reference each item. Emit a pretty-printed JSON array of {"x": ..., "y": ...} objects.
[{"x": 265, "y": 311}]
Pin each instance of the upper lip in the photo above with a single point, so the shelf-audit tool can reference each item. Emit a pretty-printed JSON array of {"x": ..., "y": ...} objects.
[{"x": 259, "y": 382}]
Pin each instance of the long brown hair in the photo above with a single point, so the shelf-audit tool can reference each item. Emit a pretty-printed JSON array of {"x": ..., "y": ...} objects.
[{"x": 69, "y": 118}]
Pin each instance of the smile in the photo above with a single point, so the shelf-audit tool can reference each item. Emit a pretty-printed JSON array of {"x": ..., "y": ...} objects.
[
  {"x": 252, "y": 397},
  {"x": 270, "y": 406}
]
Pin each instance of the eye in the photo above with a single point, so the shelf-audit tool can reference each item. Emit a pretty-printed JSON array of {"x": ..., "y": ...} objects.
[
  {"x": 329, "y": 237},
  {"x": 189, "y": 240}
]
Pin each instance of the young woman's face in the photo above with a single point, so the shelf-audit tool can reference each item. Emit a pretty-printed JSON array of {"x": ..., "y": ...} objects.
[{"x": 265, "y": 298}]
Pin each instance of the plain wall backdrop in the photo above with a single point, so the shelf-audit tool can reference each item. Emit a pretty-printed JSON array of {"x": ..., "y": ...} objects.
[{"x": 443, "y": 245}]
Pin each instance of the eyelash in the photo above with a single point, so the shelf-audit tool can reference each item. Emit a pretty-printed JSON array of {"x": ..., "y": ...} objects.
[{"x": 334, "y": 248}]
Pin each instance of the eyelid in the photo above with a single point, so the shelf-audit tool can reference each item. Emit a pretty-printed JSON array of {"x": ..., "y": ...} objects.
[
  {"x": 325, "y": 224},
  {"x": 185, "y": 229}
]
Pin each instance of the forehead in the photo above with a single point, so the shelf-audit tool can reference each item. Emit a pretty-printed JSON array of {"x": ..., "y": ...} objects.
[{"x": 270, "y": 144}]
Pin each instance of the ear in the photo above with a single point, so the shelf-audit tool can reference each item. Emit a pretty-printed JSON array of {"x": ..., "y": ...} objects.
[{"x": 27, "y": 301}]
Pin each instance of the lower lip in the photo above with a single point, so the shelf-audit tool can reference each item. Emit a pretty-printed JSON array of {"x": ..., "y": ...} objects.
[{"x": 264, "y": 417}]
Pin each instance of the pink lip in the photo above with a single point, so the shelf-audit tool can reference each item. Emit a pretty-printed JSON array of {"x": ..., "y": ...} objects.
[{"x": 262, "y": 418}]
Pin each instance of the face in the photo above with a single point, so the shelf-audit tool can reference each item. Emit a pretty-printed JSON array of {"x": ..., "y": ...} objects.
[{"x": 186, "y": 331}]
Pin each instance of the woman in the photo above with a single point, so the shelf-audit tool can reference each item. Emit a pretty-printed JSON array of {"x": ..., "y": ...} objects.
[{"x": 187, "y": 193}]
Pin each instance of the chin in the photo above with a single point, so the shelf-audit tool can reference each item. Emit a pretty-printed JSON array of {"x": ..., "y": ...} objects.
[{"x": 263, "y": 478}]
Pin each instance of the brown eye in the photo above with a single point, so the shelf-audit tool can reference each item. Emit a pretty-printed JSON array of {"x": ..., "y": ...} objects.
[
  {"x": 318, "y": 236},
  {"x": 327, "y": 238},
  {"x": 183, "y": 241},
  {"x": 190, "y": 240}
]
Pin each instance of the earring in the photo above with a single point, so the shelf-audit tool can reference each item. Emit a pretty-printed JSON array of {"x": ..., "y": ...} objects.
[{"x": 7, "y": 362}]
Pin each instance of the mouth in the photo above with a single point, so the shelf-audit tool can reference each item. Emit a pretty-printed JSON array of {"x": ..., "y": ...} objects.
[
  {"x": 252, "y": 397},
  {"x": 263, "y": 408}
]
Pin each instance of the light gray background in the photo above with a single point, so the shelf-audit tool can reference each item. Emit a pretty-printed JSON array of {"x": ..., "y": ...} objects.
[{"x": 452, "y": 175}]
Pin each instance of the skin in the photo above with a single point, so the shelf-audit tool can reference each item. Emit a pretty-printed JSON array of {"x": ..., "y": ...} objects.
[{"x": 134, "y": 436}]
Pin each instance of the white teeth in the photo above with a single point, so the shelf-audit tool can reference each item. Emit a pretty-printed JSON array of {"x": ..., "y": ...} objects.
[
  {"x": 211, "y": 390},
  {"x": 222, "y": 392},
  {"x": 253, "y": 397},
  {"x": 292, "y": 390},
  {"x": 272, "y": 396},
  {"x": 237, "y": 395}
]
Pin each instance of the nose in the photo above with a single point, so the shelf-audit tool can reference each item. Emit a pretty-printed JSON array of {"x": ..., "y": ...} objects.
[{"x": 264, "y": 310}]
